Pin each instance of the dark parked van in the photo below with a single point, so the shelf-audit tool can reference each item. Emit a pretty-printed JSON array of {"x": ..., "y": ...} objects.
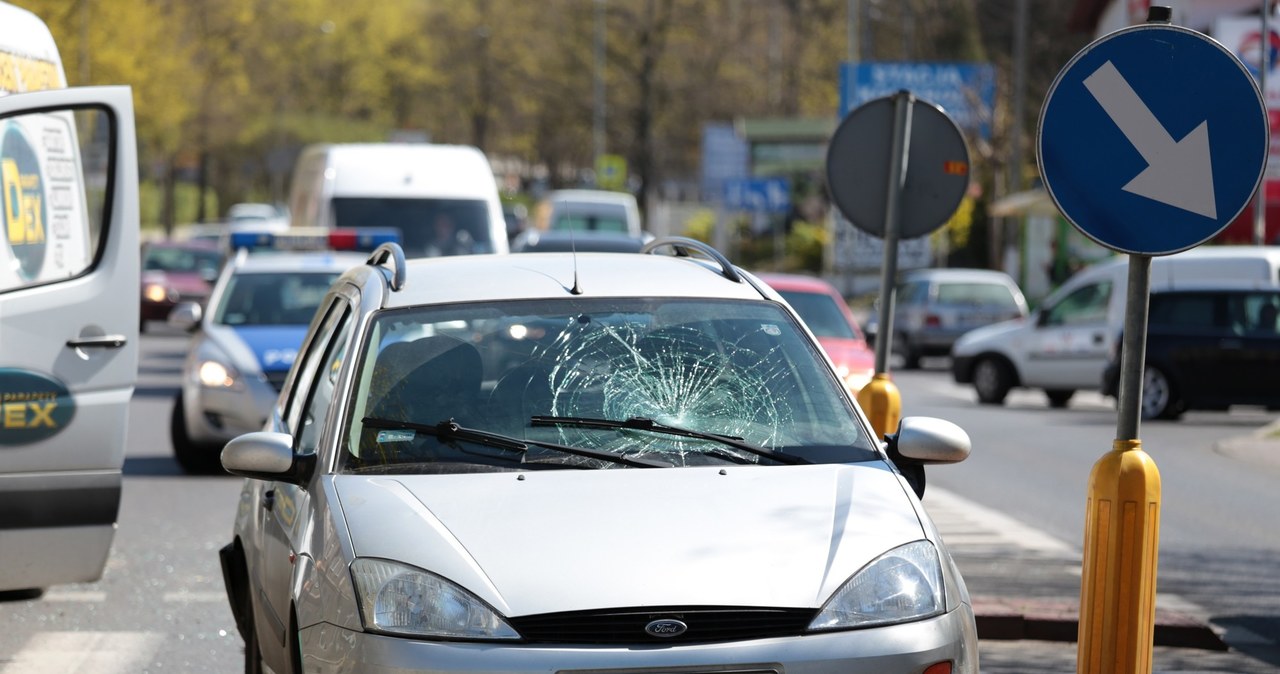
[{"x": 1208, "y": 348}]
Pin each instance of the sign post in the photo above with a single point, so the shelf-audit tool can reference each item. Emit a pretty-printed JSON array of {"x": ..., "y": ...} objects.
[
  {"x": 927, "y": 176},
  {"x": 1152, "y": 140}
]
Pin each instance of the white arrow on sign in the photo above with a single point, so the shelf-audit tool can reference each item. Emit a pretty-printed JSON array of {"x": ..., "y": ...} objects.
[{"x": 1178, "y": 173}]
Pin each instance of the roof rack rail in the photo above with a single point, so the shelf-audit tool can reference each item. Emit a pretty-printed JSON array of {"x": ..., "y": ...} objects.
[
  {"x": 683, "y": 245},
  {"x": 395, "y": 253}
]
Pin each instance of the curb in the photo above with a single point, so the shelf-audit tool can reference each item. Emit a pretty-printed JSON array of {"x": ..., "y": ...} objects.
[{"x": 1058, "y": 620}]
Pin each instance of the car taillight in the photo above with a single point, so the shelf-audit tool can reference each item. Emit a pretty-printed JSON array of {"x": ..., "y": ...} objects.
[{"x": 932, "y": 321}]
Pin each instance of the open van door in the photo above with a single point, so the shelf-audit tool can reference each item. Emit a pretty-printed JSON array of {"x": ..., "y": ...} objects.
[{"x": 69, "y": 278}]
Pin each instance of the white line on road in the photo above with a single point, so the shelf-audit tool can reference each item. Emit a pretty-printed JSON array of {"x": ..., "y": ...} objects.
[
  {"x": 963, "y": 522},
  {"x": 85, "y": 652}
]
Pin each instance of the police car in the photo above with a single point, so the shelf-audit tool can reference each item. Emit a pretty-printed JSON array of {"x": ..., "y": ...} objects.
[
  {"x": 248, "y": 335},
  {"x": 592, "y": 462}
]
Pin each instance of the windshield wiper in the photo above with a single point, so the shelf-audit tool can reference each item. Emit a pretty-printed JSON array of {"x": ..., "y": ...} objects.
[
  {"x": 446, "y": 431},
  {"x": 645, "y": 424}
]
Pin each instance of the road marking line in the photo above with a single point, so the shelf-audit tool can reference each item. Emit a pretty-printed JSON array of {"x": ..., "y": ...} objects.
[
  {"x": 958, "y": 518},
  {"x": 187, "y": 596},
  {"x": 80, "y": 596},
  {"x": 87, "y": 652}
]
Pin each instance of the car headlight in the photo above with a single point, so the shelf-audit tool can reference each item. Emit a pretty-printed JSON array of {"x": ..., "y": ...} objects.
[
  {"x": 901, "y": 585},
  {"x": 399, "y": 599},
  {"x": 214, "y": 374},
  {"x": 156, "y": 292}
]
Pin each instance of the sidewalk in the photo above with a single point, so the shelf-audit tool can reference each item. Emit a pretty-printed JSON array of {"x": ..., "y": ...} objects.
[{"x": 1025, "y": 589}]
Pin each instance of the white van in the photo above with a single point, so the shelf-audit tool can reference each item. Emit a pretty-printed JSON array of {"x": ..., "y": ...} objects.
[
  {"x": 442, "y": 198},
  {"x": 69, "y": 279},
  {"x": 1064, "y": 346}
]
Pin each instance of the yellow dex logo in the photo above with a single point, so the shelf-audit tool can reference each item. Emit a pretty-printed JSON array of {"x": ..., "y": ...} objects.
[{"x": 21, "y": 191}]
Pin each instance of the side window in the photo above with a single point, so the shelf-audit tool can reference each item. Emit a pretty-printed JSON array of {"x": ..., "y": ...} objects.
[
  {"x": 910, "y": 293},
  {"x": 324, "y": 383},
  {"x": 50, "y": 217},
  {"x": 1197, "y": 311},
  {"x": 1086, "y": 305},
  {"x": 307, "y": 364}
]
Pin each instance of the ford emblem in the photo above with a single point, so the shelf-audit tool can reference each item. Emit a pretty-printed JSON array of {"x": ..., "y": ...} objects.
[{"x": 666, "y": 628}]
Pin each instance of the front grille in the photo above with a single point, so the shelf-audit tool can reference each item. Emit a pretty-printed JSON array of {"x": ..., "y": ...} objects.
[
  {"x": 276, "y": 379},
  {"x": 627, "y": 625}
]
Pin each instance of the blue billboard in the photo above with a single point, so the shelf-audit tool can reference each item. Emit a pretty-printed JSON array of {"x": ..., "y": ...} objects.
[{"x": 966, "y": 91}]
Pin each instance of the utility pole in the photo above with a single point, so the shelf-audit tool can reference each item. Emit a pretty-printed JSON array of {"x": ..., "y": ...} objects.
[{"x": 598, "y": 112}]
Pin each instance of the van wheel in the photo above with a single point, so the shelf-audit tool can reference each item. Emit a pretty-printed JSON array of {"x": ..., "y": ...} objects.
[
  {"x": 1058, "y": 398},
  {"x": 992, "y": 380},
  {"x": 1159, "y": 398}
]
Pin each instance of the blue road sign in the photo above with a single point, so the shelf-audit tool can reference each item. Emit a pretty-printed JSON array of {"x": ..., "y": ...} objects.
[
  {"x": 1152, "y": 139},
  {"x": 762, "y": 195}
]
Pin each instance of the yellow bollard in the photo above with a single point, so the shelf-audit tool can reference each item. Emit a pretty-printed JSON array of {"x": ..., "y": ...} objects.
[
  {"x": 1121, "y": 542},
  {"x": 882, "y": 403}
]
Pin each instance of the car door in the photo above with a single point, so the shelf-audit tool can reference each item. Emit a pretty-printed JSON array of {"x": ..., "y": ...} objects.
[
  {"x": 286, "y": 506},
  {"x": 69, "y": 275},
  {"x": 1070, "y": 345}
]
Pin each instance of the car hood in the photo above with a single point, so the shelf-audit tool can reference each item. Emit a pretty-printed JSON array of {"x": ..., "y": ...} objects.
[
  {"x": 187, "y": 283},
  {"x": 850, "y": 353},
  {"x": 259, "y": 348},
  {"x": 546, "y": 541},
  {"x": 979, "y": 337}
]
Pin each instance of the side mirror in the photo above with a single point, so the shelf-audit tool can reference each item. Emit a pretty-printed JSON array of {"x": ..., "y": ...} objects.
[
  {"x": 265, "y": 455},
  {"x": 185, "y": 315},
  {"x": 925, "y": 440}
]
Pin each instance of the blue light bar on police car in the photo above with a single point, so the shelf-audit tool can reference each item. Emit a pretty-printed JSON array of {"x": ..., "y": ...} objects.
[{"x": 312, "y": 238}]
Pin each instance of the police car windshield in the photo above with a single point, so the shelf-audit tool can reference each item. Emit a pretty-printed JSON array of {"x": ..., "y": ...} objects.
[
  {"x": 428, "y": 227},
  {"x": 272, "y": 298},
  {"x": 741, "y": 370}
]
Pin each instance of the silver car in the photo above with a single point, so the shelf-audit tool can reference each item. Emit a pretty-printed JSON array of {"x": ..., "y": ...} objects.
[
  {"x": 592, "y": 462},
  {"x": 242, "y": 346},
  {"x": 934, "y": 307}
]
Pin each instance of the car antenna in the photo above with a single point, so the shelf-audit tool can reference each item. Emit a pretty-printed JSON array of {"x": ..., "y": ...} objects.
[{"x": 573, "y": 249}]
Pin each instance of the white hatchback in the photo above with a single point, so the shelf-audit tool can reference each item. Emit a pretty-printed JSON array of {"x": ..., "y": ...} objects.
[{"x": 549, "y": 462}]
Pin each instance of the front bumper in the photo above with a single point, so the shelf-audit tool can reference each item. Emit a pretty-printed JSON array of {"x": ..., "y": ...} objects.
[
  {"x": 1111, "y": 381},
  {"x": 909, "y": 647},
  {"x": 962, "y": 369},
  {"x": 217, "y": 415}
]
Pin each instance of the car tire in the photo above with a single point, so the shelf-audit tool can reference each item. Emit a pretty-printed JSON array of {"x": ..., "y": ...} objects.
[
  {"x": 252, "y": 650},
  {"x": 194, "y": 457},
  {"x": 992, "y": 380},
  {"x": 1058, "y": 398},
  {"x": 1160, "y": 398},
  {"x": 910, "y": 358}
]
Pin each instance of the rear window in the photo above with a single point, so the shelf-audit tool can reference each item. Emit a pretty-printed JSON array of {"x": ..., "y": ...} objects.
[
  {"x": 984, "y": 294},
  {"x": 590, "y": 217},
  {"x": 428, "y": 227},
  {"x": 821, "y": 313}
]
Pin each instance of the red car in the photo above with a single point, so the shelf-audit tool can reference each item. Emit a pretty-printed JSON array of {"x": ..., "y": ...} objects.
[
  {"x": 823, "y": 309},
  {"x": 176, "y": 271}
]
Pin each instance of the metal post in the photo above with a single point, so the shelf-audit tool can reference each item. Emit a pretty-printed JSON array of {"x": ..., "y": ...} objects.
[
  {"x": 1122, "y": 521},
  {"x": 1134, "y": 348},
  {"x": 902, "y": 104},
  {"x": 880, "y": 398}
]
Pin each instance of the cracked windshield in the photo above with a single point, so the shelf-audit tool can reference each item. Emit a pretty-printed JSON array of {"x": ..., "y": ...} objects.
[{"x": 678, "y": 382}]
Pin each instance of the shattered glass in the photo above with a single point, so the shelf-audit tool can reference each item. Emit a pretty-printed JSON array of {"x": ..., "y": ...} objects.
[{"x": 743, "y": 370}]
